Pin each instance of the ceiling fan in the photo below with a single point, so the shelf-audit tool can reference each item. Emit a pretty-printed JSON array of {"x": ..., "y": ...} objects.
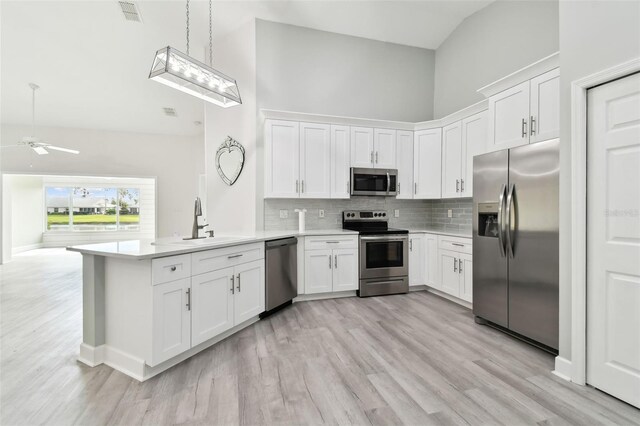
[{"x": 40, "y": 147}]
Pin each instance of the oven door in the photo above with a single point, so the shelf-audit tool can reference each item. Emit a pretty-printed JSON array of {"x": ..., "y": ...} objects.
[
  {"x": 366, "y": 181},
  {"x": 384, "y": 256}
]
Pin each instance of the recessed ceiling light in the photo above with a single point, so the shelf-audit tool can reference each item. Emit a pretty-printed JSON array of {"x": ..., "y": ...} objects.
[
  {"x": 170, "y": 112},
  {"x": 197, "y": 123}
]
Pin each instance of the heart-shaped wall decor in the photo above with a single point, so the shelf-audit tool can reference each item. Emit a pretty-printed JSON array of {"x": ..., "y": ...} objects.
[{"x": 230, "y": 160}]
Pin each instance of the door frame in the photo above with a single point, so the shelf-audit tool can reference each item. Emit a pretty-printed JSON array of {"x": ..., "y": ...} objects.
[{"x": 576, "y": 368}]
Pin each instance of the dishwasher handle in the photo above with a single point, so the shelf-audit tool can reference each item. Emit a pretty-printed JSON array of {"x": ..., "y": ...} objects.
[{"x": 272, "y": 244}]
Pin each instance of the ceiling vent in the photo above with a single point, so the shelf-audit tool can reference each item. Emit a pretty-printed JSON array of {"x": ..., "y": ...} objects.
[
  {"x": 130, "y": 11},
  {"x": 170, "y": 112}
]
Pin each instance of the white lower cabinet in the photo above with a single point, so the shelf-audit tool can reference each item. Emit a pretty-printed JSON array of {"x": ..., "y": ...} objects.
[
  {"x": 466, "y": 284},
  {"x": 330, "y": 264},
  {"x": 456, "y": 267},
  {"x": 249, "y": 297},
  {"x": 345, "y": 269},
  {"x": 212, "y": 305},
  {"x": 318, "y": 276},
  {"x": 431, "y": 260},
  {"x": 450, "y": 277},
  {"x": 417, "y": 260},
  {"x": 171, "y": 320}
]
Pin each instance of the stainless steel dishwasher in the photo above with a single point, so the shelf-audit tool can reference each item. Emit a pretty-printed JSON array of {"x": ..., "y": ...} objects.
[{"x": 281, "y": 273}]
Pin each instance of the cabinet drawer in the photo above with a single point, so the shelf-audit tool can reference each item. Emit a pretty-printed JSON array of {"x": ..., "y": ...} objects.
[
  {"x": 457, "y": 244},
  {"x": 330, "y": 242},
  {"x": 212, "y": 260},
  {"x": 172, "y": 268}
]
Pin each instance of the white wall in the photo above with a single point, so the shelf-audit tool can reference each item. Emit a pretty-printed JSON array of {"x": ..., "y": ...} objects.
[
  {"x": 306, "y": 70},
  {"x": 594, "y": 35},
  {"x": 233, "y": 209},
  {"x": 25, "y": 197},
  {"x": 176, "y": 162},
  {"x": 490, "y": 44}
]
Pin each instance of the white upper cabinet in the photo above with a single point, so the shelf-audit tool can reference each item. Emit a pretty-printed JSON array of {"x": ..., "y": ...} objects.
[
  {"x": 340, "y": 161},
  {"x": 474, "y": 142},
  {"x": 427, "y": 163},
  {"x": 362, "y": 151},
  {"x": 544, "y": 120},
  {"x": 315, "y": 160},
  {"x": 404, "y": 164},
  {"x": 384, "y": 144},
  {"x": 509, "y": 118},
  {"x": 451, "y": 160},
  {"x": 282, "y": 159}
]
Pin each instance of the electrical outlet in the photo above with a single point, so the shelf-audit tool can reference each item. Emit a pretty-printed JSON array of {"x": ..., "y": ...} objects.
[
  {"x": 321, "y": 213},
  {"x": 284, "y": 214},
  {"x": 449, "y": 213},
  {"x": 396, "y": 213}
]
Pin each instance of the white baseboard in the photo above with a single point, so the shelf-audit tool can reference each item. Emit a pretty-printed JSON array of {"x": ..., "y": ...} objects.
[
  {"x": 22, "y": 249},
  {"x": 450, "y": 298},
  {"x": 91, "y": 355},
  {"x": 563, "y": 368},
  {"x": 321, "y": 296}
]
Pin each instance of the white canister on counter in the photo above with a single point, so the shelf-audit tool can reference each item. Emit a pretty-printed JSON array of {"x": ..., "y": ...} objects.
[{"x": 301, "y": 217}]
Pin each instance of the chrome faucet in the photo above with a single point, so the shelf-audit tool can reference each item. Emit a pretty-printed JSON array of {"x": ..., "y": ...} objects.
[{"x": 197, "y": 212}]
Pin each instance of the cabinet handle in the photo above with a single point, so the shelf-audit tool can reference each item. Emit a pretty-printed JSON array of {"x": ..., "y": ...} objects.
[
  {"x": 457, "y": 185},
  {"x": 371, "y": 157},
  {"x": 335, "y": 263},
  {"x": 238, "y": 288},
  {"x": 376, "y": 157},
  {"x": 234, "y": 256},
  {"x": 455, "y": 265},
  {"x": 457, "y": 244},
  {"x": 533, "y": 125},
  {"x": 348, "y": 187},
  {"x": 302, "y": 186},
  {"x": 297, "y": 191},
  {"x": 233, "y": 284},
  {"x": 459, "y": 266},
  {"x": 330, "y": 262},
  {"x": 415, "y": 187},
  {"x": 188, "y": 299},
  {"x": 411, "y": 244},
  {"x": 173, "y": 269},
  {"x": 461, "y": 185},
  {"x": 524, "y": 127},
  {"x": 398, "y": 188}
]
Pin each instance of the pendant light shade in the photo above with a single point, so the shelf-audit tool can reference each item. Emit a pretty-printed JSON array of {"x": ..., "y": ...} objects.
[{"x": 182, "y": 72}]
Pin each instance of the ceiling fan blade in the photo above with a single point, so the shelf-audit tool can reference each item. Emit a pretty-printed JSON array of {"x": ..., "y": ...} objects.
[
  {"x": 57, "y": 148},
  {"x": 40, "y": 150}
]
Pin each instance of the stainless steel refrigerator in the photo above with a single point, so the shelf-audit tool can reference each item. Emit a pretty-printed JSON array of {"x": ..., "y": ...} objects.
[{"x": 515, "y": 240}]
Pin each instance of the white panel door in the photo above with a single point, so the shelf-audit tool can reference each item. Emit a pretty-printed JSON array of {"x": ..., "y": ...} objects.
[
  {"x": 427, "y": 163},
  {"x": 509, "y": 118},
  {"x": 544, "y": 123},
  {"x": 465, "y": 268},
  {"x": 171, "y": 320},
  {"x": 248, "y": 300},
  {"x": 315, "y": 160},
  {"x": 345, "y": 269},
  {"x": 384, "y": 143},
  {"x": 613, "y": 238},
  {"x": 474, "y": 142},
  {"x": 404, "y": 164},
  {"x": 211, "y": 305},
  {"x": 282, "y": 159},
  {"x": 449, "y": 275},
  {"x": 416, "y": 260},
  {"x": 451, "y": 160},
  {"x": 318, "y": 271},
  {"x": 361, "y": 147},
  {"x": 340, "y": 161},
  {"x": 432, "y": 277}
]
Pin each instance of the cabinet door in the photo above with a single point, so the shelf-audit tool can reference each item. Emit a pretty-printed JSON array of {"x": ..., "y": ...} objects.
[
  {"x": 171, "y": 320},
  {"x": 545, "y": 107},
  {"x": 432, "y": 277},
  {"x": 416, "y": 260},
  {"x": 466, "y": 277},
  {"x": 449, "y": 275},
  {"x": 315, "y": 160},
  {"x": 507, "y": 111},
  {"x": 282, "y": 159},
  {"x": 404, "y": 164},
  {"x": 451, "y": 160},
  {"x": 211, "y": 305},
  {"x": 427, "y": 164},
  {"x": 248, "y": 300},
  {"x": 318, "y": 271},
  {"x": 345, "y": 269},
  {"x": 361, "y": 147},
  {"x": 385, "y": 149},
  {"x": 340, "y": 161},
  {"x": 474, "y": 142}
]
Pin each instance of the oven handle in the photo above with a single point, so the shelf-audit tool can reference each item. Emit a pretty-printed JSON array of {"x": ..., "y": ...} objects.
[{"x": 390, "y": 238}]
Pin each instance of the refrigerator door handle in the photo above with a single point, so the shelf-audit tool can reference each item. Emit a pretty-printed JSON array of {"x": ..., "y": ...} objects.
[
  {"x": 509, "y": 224},
  {"x": 501, "y": 221}
]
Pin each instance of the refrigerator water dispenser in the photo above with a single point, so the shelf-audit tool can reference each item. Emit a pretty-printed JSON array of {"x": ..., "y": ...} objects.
[{"x": 488, "y": 220}]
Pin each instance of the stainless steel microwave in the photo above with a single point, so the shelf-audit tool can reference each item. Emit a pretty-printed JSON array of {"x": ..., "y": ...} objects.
[{"x": 369, "y": 181}]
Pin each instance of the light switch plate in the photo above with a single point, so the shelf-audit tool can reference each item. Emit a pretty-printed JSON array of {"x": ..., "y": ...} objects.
[
  {"x": 396, "y": 213},
  {"x": 321, "y": 213},
  {"x": 449, "y": 213},
  {"x": 284, "y": 214}
]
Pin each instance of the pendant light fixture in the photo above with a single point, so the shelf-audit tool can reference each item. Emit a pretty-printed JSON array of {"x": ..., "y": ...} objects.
[{"x": 182, "y": 72}]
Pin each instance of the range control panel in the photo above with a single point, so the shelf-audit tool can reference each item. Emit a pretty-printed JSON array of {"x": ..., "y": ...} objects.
[{"x": 364, "y": 215}]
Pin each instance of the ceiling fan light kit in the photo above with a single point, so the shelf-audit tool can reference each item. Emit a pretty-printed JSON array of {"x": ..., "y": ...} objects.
[{"x": 182, "y": 72}]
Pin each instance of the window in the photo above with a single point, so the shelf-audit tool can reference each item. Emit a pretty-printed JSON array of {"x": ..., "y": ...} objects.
[{"x": 92, "y": 209}]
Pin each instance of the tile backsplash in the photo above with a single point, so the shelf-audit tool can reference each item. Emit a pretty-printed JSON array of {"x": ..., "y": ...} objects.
[{"x": 414, "y": 214}]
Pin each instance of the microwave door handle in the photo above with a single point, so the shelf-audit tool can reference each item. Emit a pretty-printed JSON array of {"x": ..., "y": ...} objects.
[
  {"x": 388, "y": 182},
  {"x": 501, "y": 221}
]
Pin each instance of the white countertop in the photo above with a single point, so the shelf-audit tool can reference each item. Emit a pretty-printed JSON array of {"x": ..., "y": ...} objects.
[
  {"x": 149, "y": 249},
  {"x": 440, "y": 231}
]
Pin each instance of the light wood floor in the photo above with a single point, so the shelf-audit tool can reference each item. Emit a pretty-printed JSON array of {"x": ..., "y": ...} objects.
[{"x": 406, "y": 359}]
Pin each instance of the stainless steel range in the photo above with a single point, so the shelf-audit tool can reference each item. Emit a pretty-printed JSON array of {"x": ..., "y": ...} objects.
[{"x": 384, "y": 253}]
